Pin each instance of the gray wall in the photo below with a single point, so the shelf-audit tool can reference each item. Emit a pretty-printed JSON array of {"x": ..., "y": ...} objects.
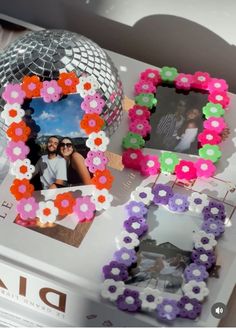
[{"x": 161, "y": 38}]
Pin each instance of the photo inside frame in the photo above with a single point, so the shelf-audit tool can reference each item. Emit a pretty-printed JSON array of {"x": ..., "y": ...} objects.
[
  {"x": 177, "y": 120},
  {"x": 164, "y": 252},
  {"x": 57, "y": 143}
]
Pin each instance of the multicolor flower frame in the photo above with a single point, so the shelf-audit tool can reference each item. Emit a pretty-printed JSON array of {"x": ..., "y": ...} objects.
[
  {"x": 140, "y": 128},
  {"x": 195, "y": 275},
  {"x": 17, "y": 150}
]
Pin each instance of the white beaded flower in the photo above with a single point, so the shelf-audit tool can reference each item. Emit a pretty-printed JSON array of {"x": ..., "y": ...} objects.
[
  {"x": 22, "y": 169},
  {"x": 97, "y": 141},
  {"x": 111, "y": 289},
  {"x": 194, "y": 289},
  {"x": 87, "y": 86},
  {"x": 12, "y": 113},
  {"x": 204, "y": 240},
  {"x": 150, "y": 298},
  {"x": 47, "y": 212},
  {"x": 197, "y": 202},
  {"x": 102, "y": 199},
  {"x": 142, "y": 194},
  {"x": 127, "y": 240}
]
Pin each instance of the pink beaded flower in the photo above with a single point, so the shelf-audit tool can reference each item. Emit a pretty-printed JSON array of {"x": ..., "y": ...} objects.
[
  {"x": 204, "y": 168},
  {"x": 139, "y": 112},
  {"x": 219, "y": 97},
  {"x": 150, "y": 165},
  {"x": 183, "y": 81},
  {"x": 215, "y": 124},
  {"x": 13, "y": 94},
  {"x": 209, "y": 137},
  {"x": 141, "y": 127},
  {"x": 217, "y": 85},
  {"x": 17, "y": 150},
  {"x": 144, "y": 86},
  {"x": 201, "y": 80},
  {"x": 84, "y": 208},
  {"x": 50, "y": 91},
  {"x": 96, "y": 160},
  {"x": 151, "y": 75},
  {"x": 185, "y": 170},
  {"x": 93, "y": 104},
  {"x": 27, "y": 208},
  {"x": 132, "y": 158}
]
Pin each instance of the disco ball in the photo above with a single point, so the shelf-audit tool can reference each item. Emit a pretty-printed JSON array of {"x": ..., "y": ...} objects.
[{"x": 46, "y": 53}]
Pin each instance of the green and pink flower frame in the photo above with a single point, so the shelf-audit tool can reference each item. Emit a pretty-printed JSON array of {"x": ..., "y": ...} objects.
[
  {"x": 140, "y": 128},
  {"x": 92, "y": 123}
]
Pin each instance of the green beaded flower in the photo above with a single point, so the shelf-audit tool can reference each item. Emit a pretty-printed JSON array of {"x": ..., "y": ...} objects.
[
  {"x": 168, "y": 161},
  {"x": 133, "y": 141},
  {"x": 210, "y": 152},
  {"x": 213, "y": 110},
  {"x": 168, "y": 74},
  {"x": 147, "y": 100}
]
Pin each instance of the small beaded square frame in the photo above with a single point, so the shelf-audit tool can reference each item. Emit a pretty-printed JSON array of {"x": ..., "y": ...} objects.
[
  {"x": 117, "y": 272},
  {"x": 139, "y": 124},
  {"x": 18, "y": 132}
]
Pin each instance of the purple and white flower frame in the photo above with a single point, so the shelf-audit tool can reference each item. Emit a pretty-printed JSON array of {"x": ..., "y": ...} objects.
[
  {"x": 195, "y": 275},
  {"x": 140, "y": 128}
]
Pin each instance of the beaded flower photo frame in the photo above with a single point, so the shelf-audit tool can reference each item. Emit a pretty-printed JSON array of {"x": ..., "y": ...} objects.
[
  {"x": 174, "y": 131},
  {"x": 34, "y": 95},
  {"x": 148, "y": 293}
]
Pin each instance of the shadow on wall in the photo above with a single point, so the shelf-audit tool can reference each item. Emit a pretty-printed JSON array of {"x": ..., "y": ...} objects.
[
  {"x": 158, "y": 40},
  {"x": 167, "y": 40}
]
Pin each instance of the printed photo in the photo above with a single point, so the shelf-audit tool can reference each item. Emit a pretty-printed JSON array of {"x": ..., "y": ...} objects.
[
  {"x": 177, "y": 121},
  {"x": 160, "y": 267},
  {"x": 57, "y": 143}
]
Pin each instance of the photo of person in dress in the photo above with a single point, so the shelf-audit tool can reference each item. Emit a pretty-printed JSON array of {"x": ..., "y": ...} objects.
[
  {"x": 177, "y": 121},
  {"x": 77, "y": 172},
  {"x": 188, "y": 132}
]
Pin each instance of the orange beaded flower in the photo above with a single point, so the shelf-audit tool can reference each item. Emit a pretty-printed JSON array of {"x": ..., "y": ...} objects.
[
  {"x": 21, "y": 188},
  {"x": 64, "y": 203},
  {"x": 18, "y": 132},
  {"x": 31, "y": 86},
  {"x": 102, "y": 179},
  {"x": 68, "y": 82},
  {"x": 91, "y": 123}
]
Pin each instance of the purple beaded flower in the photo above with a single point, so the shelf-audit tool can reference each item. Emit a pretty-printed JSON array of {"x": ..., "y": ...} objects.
[
  {"x": 136, "y": 225},
  {"x": 50, "y": 91},
  {"x": 204, "y": 257},
  {"x": 168, "y": 309},
  {"x": 129, "y": 301},
  {"x": 93, "y": 104},
  {"x": 213, "y": 226},
  {"x": 16, "y": 150},
  {"x": 189, "y": 307},
  {"x": 115, "y": 271},
  {"x": 125, "y": 256},
  {"x": 27, "y": 208},
  {"x": 13, "y": 94},
  {"x": 136, "y": 209},
  {"x": 162, "y": 194},
  {"x": 215, "y": 210},
  {"x": 96, "y": 160},
  {"x": 195, "y": 272},
  {"x": 178, "y": 203}
]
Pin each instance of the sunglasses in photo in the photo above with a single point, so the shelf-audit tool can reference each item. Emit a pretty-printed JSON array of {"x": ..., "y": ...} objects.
[{"x": 66, "y": 145}]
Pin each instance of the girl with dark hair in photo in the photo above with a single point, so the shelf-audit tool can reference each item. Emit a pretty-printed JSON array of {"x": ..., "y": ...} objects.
[
  {"x": 77, "y": 172},
  {"x": 187, "y": 134}
]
